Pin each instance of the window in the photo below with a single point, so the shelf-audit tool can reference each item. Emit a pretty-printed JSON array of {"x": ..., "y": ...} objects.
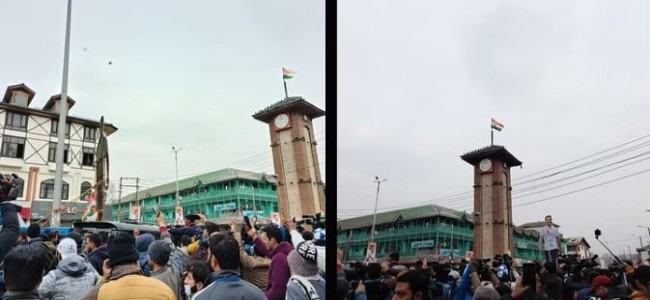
[
  {"x": 47, "y": 190},
  {"x": 88, "y": 157},
  {"x": 13, "y": 146},
  {"x": 16, "y": 121},
  {"x": 55, "y": 129},
  {"x": 90, "y": 134},
  {"x": 85, "y": 186},
  {"x": 51, "y": 155}
]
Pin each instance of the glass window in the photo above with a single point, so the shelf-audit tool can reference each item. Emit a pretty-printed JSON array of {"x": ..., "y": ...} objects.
[
  {"x": 51, "y": 155},
  {"x": 85, "y": 187},
  {"x": 13, "y": 146},
  {"x": 90, "y": 134},
  {"x": 47, "y": 190},
  {"x": 16, "y": 121},
  {"x": 88, "y": 158},
  {"x": 55, "y": 129}
]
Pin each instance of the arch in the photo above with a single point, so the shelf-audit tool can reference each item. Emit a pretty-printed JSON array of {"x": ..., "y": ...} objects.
[{"x": 85, "y": 187}]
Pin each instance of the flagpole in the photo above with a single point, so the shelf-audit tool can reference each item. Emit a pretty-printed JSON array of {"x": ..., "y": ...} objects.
[
  {"x": 285, "y": 89},
  {"x": 491, "y": 137}
]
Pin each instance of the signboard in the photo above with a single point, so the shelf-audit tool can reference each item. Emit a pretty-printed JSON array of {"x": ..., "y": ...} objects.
[
  {"x": 446, "y": 252},
  {"x": 275, "y": 218},
  {"x": 251, "y": 213},
  {"x": 521, "y": 245},
  {"x": 73, "y": 211},
  {"x": 423, "y": 244},
  {"x": 371, "y": 253},
  {"x": 134, "y": 212},
  {"x": 225, "y": 206},
  {"x": 178, "y": 216}
]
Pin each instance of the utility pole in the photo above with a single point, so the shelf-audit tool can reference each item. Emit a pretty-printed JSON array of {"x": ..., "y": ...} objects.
[
  {"x": 137, "y": 189},
  {"x": 63, "y": 113},
  {"x": 176, "y": 159},
  {"x": 119, "y": 201},
  {"x": 374, "y": 218},
  {"x": 137, "y": 196}
]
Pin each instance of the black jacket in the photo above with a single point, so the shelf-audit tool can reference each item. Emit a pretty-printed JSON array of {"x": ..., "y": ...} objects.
[{"x": 97, "y": 257}]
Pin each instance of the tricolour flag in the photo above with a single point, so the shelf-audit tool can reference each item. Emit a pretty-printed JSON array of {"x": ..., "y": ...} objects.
[
  {"x": 287, "y": 73},
  {"x": 496, "y": 125}
]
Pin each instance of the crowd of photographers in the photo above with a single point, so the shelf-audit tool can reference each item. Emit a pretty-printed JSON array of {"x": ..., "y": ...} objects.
[
  {"x": 239, "y": 261},
  {"x": 498, "y": 278}
]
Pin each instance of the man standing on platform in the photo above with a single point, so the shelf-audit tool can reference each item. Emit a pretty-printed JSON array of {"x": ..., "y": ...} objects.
[{"x": 549, "y": 240}]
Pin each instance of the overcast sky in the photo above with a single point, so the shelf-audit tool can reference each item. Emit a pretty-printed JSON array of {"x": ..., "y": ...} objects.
[
  {"x": 183, "y": 74},
  {"x": 419, "y": 81}
]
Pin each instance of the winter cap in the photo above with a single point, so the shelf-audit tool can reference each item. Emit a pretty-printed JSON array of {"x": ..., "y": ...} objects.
[
  {"x": 143, "y": 241},
  {"x": 454, "y": 274},
  {"x": 159, "y": 252},
  {"x": 34, "y": 230},
  {"x": 121, "y": 249},
  {"x": 301, "y": 266},
  {"x": 600, "y": 280},
  {"x": 486, "y": 292},
  {"x": 67, "y": 247},
  {"x": 307, "y": 251}
]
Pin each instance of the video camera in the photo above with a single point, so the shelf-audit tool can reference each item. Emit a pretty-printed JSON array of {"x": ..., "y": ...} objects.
[{"x": 317, "y": 221}]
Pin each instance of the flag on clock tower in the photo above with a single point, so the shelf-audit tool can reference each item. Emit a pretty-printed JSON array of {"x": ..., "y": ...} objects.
[{"x": 287, "y": 73}]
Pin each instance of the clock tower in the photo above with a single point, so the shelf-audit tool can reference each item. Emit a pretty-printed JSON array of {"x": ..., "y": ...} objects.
[
  {"x": 295, "y": 160},
  {"x": 492, "y": 200}
]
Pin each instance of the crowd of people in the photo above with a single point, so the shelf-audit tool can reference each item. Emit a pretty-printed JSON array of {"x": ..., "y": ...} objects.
[
  {"x": 198, "y": 261},
  {"x": 476, "y": 279}
]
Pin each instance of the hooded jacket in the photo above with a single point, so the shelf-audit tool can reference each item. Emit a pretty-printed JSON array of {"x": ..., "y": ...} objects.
[
  {"x": 97, "y": 257},
  {"x": 279, "y": 273},
  {"x": 70, "y": 280},
  {"x": 169, "y": 276}
]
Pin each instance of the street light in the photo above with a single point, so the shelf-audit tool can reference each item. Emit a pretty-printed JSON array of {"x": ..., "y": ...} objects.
[
  {"x": 374, "y": 218},
  {"x": 176, "y": 158}
]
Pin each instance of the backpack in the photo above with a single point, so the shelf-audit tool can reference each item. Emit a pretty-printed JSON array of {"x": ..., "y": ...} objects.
[{"x": 306, "y": 286}]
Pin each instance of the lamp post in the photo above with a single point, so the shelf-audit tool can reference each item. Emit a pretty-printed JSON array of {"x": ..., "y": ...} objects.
[
  {"x": 374, "y": 218},
  {"x": 63, "y": 113},
  {"x": 176, "y": 159}
]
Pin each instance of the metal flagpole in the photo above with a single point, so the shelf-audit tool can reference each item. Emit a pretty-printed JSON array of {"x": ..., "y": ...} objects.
[
  {"x": 285, "y": 89},
  {"x": 491, "y": 137},
  {"x": 63, "y": 112}
]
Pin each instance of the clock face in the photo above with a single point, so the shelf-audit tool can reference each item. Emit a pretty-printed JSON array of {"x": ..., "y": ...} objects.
[
  {"x": 281, "y": 121},
  {"x": 485, "y": 165}
]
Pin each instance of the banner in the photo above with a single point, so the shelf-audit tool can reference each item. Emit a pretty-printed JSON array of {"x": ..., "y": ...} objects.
[
  {"x": 134, "y": 213},
  {"x": 178, "y": 216},
  {"x": 371, "y": 253},
  {"x": 275, "y": 218}
]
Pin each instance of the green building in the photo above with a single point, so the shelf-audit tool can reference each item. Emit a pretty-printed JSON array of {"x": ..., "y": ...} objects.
[
  {"x": 219, "y": 195},
  {"x": 428, "y": 230}
]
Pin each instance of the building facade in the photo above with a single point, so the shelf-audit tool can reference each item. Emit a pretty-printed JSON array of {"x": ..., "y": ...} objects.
[
  {"x": 578, "y": 246},
  {"x": 219, "y": 195},
  {"x": 29, "y": 139},
  {"x": 422, "y": 231}
]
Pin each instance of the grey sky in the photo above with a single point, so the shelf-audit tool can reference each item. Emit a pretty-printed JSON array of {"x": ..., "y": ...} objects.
[
  {"x": 419, "y": 81},
  {"x": 184, "y": 74}
]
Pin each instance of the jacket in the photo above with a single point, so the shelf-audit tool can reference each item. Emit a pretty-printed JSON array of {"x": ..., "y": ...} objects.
[
  {"x": 342, "y": 284},
  {"x": 97, "y": 257},
  {"x": 553, "y": 286},
  {"x": 144, "y": 263},
  {"x": 226, "y": 284},
  {"x": 296, "y": 292},
  {"x": 49, "y": 250},
  {"x": 279, "y": 273},
  {"x": 169, "y": 276},
  {"x": 70, "y": 280},
  {"x": 463, "y": 291},
  {"x": 255, "y": 268},
  {"x": 126, "y": 282},
  {"x": 21, "y": 295}
]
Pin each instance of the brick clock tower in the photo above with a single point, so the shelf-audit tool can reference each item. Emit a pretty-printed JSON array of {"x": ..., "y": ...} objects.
[
  {"x": 300, "y": 187},
  {"x": 492, "y": 200}
]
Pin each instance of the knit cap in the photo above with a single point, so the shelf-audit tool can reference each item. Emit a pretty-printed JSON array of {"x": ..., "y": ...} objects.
[
  {"x": 121, "y": 249},
  {"x": 486, "y": 292}
]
